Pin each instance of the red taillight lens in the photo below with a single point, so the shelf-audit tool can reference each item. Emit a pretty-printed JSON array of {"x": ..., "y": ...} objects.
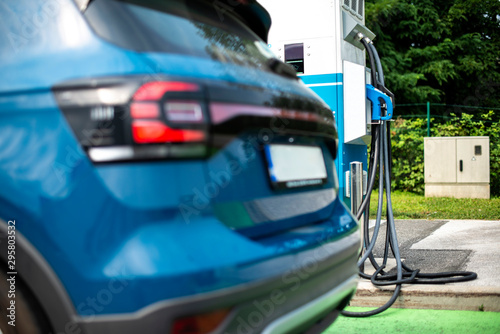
[
  {"x": 145, "y": 132},
  {"x": 199, "y": 324},
  {"x": 149, "y": 126},
  {"x": 144, "y": 110},
  {"x": 153, "y": 91}
]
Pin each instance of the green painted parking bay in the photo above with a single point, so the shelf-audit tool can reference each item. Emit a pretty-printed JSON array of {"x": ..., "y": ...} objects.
[{"x": 396, "y": 320}]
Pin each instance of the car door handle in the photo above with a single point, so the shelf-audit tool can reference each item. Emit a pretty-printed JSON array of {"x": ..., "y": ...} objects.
[{"x": 461, "y": 168}]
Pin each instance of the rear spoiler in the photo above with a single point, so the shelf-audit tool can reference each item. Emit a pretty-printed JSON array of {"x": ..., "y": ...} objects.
[
  {"x": 256, "y": 17},
  {"x": 251, "y": 12}
]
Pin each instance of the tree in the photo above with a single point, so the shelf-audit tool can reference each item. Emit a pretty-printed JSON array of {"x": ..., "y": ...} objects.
[{"x": 444, "y": 51}]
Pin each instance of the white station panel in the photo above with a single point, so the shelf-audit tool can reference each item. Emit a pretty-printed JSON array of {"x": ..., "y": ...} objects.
[
  {"x": 300, "y": 19},
  {"x": 354, "y": 103},
  {"x": 318, "y": 37},
  {"x": 318, "y": 54},
  {"x": 315, "y": 25}
]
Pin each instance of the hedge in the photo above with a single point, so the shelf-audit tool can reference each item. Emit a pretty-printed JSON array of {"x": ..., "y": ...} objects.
[{"x": 408, "y": 146}]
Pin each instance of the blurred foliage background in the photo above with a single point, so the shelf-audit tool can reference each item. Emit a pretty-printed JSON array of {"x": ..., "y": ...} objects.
[{"x": 446, "y": 53}]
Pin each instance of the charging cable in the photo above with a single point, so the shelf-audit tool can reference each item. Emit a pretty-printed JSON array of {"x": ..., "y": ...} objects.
[{"x": 380, "y": 163}]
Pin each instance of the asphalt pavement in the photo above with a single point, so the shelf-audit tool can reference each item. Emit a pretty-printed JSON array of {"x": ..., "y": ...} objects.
[{"x": 440, "y": 246}]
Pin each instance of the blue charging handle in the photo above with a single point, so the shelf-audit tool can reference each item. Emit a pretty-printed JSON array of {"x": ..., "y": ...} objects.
[{"x": 375, "y": 95}]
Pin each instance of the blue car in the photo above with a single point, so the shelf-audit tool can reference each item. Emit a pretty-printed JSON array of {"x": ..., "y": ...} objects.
[{"x": 162, "y": 172}]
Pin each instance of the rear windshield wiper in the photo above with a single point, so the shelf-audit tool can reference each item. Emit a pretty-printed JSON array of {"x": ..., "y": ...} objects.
[{"x": 281, "y": 68}]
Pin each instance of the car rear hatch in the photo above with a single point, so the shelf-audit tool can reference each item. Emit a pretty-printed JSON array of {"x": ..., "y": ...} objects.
[
  {"x": 215, "y": 94},
  {"x": 272, "y": 162}
]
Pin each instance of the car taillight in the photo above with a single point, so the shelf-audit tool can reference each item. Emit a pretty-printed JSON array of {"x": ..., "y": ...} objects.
[
  {"x": 200, "y": 323},
  {"x": 156, "y": 89},
  {"x": 145, "y": 131},
  {"x": 121, "y": 120}
]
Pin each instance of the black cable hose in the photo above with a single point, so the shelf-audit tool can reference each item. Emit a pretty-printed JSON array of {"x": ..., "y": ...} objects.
[
  {"x": 380, "y": 159},
  {"x": 380, "y": 71},
  {"x": 371, "y": 57}
]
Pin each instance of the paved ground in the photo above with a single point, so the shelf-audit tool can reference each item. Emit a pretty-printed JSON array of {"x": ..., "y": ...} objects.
[
  {"x": 437, "y": 246},
  {"x": 480, "y": 240}
]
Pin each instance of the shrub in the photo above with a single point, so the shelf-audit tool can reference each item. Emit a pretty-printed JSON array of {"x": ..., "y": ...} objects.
[{"x": 408, "y": 154}]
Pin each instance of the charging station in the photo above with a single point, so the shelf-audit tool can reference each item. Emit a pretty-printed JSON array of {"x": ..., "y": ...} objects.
[
  {"x": 325, "y": 41},
  {"x": 319, "y": 39}
]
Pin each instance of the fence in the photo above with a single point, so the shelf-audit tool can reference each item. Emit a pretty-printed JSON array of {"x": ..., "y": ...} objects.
[{"x": 457, "y": 109}]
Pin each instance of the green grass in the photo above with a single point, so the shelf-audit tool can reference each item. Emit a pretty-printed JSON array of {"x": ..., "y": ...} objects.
[
  {"x": 412, "y": 206},
  {"x": 418, "y": 321}
]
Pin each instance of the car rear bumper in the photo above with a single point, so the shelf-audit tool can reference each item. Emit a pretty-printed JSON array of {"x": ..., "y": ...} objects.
[
  {"x": 333, "y": 300},
  {"x": 295, "y": 300}
]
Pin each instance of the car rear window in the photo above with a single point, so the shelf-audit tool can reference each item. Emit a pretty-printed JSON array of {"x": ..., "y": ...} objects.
[{"x": 195, "y": 28}]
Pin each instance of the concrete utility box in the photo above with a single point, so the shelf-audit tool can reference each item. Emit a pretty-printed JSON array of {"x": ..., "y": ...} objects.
[{"x": 457, "y": 167}]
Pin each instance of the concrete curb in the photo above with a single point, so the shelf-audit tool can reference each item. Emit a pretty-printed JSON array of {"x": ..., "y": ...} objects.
[
  {"x": 437, "y": 297},
  {"x": 437, "y": 246}
]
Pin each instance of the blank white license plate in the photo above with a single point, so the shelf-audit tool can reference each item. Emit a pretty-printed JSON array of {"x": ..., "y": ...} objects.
[{"x": 293, "y": 166}]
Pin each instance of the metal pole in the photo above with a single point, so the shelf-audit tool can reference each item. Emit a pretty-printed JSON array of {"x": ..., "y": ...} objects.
[
  {"x": 428, "y": 119},
  {"x": 356, "y": 186}
]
